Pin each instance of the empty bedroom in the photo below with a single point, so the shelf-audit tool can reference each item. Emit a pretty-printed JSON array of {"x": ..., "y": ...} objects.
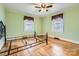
[{"x": 39, "y": 29}]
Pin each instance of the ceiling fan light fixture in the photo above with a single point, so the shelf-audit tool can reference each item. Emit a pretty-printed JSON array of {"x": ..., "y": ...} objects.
[
  {"x": 43, "y": 6},
  {"x": 43, "y": 10}
]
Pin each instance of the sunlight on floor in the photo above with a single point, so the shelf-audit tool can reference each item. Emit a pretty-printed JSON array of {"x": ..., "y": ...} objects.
[{"x": 57, "y": 48}]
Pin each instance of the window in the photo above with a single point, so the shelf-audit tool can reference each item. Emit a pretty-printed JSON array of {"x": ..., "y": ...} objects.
[
  {"x": 57, "y": 23},
  {"x": 28, "y": 25}
]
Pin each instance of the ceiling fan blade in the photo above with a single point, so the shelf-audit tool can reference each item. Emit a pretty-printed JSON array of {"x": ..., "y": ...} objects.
[
  {"x": 37, "y": 7},
  {"x": 49, "y": 6}
]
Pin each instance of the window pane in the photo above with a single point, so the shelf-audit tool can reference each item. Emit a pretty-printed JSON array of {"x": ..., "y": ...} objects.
[
  {"x": 28, "y": 25},
  {"x": 57, "y": 25}
]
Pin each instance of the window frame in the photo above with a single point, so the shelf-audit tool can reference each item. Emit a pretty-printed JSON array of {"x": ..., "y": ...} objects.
[{"x": 30, "y": 21}]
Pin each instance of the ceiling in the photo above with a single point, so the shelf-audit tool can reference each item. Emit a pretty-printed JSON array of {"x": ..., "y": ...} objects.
[{"x": 30, "y": 9}]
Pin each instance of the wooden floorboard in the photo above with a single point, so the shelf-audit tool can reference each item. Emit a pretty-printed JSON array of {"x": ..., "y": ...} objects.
[{"x": 54, "y": 48}]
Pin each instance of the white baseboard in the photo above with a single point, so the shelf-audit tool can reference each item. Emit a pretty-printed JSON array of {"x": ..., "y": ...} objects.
[
  {"x": 65, "y": 39},
  {"x": 19, "y": 37},
  {"x": 12, "y": 38},
  {"x": 73, "y": 41}
]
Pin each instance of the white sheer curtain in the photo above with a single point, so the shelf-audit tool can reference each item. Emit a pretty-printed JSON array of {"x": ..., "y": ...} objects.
[
  {"x": 57, "y": 25},
  {"x": 28, "y": 25}
]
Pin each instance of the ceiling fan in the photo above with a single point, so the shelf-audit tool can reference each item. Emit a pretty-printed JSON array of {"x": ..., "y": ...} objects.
[{"x": 43, "y": 6}]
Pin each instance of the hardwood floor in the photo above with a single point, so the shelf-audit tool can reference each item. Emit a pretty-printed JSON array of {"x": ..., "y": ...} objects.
[{"x": 54, "y": 48}]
